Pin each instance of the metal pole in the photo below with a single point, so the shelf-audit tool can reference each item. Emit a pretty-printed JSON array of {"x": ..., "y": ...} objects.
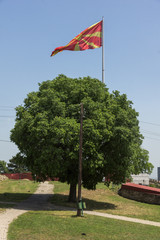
[
  {"x": 80, "y": 162},
  {"x": 102, "y": 49}
]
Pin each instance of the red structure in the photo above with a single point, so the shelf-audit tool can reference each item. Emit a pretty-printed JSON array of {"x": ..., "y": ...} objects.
[
  {"x": 140, "y": 193},
  {"x": 141, "y": 188},
  {"x": 17, "y": 176}
]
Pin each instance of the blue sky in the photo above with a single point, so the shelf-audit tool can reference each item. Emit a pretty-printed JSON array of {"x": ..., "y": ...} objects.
[{"x": 30, "y": 30}]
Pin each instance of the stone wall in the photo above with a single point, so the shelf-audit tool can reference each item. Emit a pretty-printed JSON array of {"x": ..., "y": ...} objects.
[{"x": 140, "y": 196}]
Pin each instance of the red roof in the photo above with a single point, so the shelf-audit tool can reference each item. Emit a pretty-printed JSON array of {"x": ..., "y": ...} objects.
[{"x": 141, "y": 188}]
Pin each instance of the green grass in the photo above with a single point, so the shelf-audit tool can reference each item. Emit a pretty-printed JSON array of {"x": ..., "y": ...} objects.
[
  {"x": 60, "y": 187},
  {"x": 65, "y": 225},
  {"x": 60, "y": 225},
  {"x": 108, "y": 201},
  {"x": 15, "y": 191}
]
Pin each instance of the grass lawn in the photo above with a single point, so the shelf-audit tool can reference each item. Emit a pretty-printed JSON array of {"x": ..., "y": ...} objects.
[
  {"x": 15, "y": 191},
  {"x": 108, "y": 201},
  {"x": 61, "y": 225}
]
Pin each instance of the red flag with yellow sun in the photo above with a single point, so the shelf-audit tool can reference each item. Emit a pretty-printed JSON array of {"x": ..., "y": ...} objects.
[{"x": 90, "y": 38}]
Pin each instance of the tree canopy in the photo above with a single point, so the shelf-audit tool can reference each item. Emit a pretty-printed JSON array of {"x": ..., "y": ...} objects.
[
  {"x": 17, "y": 164},
  {"x": 47, "y": 132},
  {"x": 3, "y": 167}
]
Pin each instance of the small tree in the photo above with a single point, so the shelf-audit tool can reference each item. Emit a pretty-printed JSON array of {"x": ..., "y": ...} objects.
[
  {"x": 3, "y": 167},
  {"x": 17, "y": 164}
]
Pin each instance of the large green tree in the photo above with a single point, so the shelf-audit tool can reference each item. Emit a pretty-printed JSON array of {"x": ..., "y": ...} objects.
[{"x": 47, "y": 133}]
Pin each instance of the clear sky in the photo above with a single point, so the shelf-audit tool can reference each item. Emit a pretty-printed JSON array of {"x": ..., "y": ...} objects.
[{"x": 30, "y": 30}]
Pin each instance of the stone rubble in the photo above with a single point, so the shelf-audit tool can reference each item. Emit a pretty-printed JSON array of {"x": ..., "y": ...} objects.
[{"x": 3, "y": 177}]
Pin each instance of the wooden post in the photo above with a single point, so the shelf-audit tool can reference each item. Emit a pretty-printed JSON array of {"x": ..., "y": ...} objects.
[{"x": 80, "y": 161}]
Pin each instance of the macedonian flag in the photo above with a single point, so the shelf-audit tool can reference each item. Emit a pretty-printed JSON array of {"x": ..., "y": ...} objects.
[{"x": 90, "y": 38}]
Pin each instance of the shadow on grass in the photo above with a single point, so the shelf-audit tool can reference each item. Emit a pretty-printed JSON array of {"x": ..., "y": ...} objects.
[
  {"x": 38, "y": 202},
  {"x": 25, "y": 201},
  {"x": 13, "y": 197},
  {"x": 92, "y": 205}
]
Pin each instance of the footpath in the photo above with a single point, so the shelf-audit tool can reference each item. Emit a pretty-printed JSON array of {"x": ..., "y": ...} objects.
[{"x": 39, "y": 201}]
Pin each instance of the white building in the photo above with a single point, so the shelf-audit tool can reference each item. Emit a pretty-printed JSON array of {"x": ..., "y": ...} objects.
[{"x": 142, "y": 178}]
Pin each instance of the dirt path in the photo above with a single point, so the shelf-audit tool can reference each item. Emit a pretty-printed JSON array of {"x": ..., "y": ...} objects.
[{"x": 38, "y": 201}]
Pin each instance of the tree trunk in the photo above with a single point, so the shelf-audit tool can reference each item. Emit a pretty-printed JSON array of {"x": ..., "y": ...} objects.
[{"x": 72, "y": 193}]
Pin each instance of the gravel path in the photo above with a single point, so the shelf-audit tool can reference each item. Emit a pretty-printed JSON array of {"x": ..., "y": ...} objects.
[
  {"x": 38, "y": 201},
  {"x": 123, "y": 218}
]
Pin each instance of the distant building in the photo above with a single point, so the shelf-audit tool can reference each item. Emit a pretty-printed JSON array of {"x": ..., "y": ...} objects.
[
  {"x": 142, "y": 179},
  {"x": 158, "y": 171}
]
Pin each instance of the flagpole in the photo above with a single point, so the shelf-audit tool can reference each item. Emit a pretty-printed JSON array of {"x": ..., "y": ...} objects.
[{"x": 102, "y": 49}]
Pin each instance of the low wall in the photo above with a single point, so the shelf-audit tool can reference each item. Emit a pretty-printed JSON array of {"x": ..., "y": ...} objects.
[
  {"x": 140, "y": 193},
  {"x": 17, "y": 176}
]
